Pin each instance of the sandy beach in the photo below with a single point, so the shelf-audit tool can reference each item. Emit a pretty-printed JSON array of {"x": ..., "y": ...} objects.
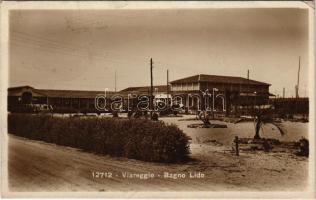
[{"x": 68, "y": 169}]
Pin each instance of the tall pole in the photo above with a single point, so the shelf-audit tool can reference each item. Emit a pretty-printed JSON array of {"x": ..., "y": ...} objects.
[
  {"x": 167, "y": 88},
  {"x": 247, "y": 92},
  {"x": 283, "y": 92},
  {"x": 151, "y": 86},
  {"x": 298, "y": 76},
  {"x": 115, "y": 82},
  {"x": 213, "y": 110}
]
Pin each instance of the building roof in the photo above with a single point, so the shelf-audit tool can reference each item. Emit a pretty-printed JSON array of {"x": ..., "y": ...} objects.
[
  {"x": 143, "y": 89},
  {"x": 70, "y": 93},
  {"x": 218, "y": 79},
  {"x": 17, "y": 91},
  {"x": 20, "y": 87}
]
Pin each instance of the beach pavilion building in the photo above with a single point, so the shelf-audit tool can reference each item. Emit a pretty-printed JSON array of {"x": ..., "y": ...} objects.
[
  {"x": 226, "y": 94},
  {"x": 230, "y": 94}
]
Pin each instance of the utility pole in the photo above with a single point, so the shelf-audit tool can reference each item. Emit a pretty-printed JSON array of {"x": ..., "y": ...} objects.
[
  {"x": 115, "y": 81},
  {"x": 283, "y": 93},
  {"x": 298, "y": 77},
  {"x": 167, "y": 88},
  {"x": 247, "y": 92},
  {"x": 151, "y": 87}
]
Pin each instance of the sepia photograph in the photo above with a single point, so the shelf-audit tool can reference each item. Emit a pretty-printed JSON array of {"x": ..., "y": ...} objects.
[{"x": 157, "y": 99}]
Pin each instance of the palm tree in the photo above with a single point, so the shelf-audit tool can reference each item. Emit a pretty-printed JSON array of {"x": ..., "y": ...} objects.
[
  {"x": 262, "y": 117},
  {"x": 204, "y": 117}
]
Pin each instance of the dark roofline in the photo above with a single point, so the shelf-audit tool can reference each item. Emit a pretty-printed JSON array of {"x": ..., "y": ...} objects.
[
  {"x": 198, "y": 77},
  {"x": 62, "y": 93},
  {"x": 19, "y": 87},
  {"x": 186, "y": 78},
  {"x": 54, "y": 90},
  {"x": 139, "y": 87}
]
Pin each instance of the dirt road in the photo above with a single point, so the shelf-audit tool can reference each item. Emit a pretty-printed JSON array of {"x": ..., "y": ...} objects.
[{"x": 38, "y": 166}]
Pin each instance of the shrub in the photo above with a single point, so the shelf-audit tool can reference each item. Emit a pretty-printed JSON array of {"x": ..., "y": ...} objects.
[
  {"x": 154, "y": 117},
  {"x": 132, "y": 138}
]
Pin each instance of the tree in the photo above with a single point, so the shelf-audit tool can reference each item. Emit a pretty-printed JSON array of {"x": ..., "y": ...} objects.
[
  {"x": 204, "y": 117},
  {"x": 261, "y": 118}
]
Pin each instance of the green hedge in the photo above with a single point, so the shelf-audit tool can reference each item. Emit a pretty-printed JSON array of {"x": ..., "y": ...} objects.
[{"x": 133, "y": 138}]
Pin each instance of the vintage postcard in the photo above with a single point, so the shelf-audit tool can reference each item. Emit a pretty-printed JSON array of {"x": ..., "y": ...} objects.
[{"x": 157, "y": 99}]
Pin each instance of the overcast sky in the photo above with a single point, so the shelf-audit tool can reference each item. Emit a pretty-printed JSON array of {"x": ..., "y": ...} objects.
[{"x": 82, "y": 49}]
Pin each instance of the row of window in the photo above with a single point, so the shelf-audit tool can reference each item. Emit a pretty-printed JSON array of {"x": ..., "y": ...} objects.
[
  {"x": 203, "y": 86},
  {"x": 185, "y": 86}
]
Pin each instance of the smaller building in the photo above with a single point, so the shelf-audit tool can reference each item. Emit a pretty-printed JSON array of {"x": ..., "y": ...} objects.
[
  {"x": 64, "y": 101},
  {"x": 290, "y": 106}
]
